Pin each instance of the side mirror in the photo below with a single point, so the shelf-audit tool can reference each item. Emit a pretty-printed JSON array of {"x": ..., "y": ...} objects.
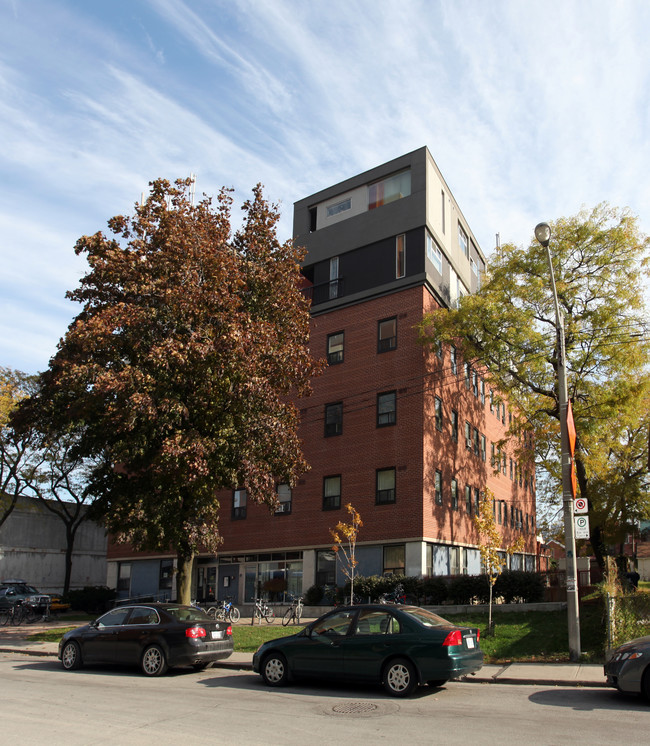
[{"x": 93, "y": 624}]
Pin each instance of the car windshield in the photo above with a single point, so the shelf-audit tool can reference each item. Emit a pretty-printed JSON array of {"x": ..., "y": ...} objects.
[
  {"x": 187, "y": 614},
  {"x": 427, "y": 618}
]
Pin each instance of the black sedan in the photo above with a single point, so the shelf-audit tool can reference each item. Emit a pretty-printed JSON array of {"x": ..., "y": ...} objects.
[
  {"x": 397, "y": 646},
  {"x": 152, "y": 636},
  {"x": 628, "y": 667}
]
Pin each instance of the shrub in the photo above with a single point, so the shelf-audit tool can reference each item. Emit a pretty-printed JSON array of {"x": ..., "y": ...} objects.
[
  {"x": 519, "y": 586},
  {"x": 314, "y": 595},
  {"x": 433, "y": 590},
  {"x": 467, "y": 589},
  {"x": 94, "y": 599}
]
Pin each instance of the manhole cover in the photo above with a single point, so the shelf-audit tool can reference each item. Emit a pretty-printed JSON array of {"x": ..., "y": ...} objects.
[
  {"x": 361, "y": 709},
  {"x": 354, "y": 708}
]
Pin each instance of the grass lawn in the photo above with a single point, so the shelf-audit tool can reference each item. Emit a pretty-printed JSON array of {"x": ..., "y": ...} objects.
[{"x": 518, "y": 636}]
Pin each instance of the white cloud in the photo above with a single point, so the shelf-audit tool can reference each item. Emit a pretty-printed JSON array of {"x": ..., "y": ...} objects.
[{"x": 530, "y": 111}]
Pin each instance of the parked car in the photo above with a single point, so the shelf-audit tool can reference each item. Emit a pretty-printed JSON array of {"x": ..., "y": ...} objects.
[
  {"x": 628, "y": 669},
  {"x": 14, "y": 591},
  {"x": 153, "y": 636},
  {"x": 397, "y": 646}
]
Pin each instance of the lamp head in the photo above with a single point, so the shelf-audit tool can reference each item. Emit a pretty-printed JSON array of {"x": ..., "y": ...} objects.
[{"x": 543, "y": 234}]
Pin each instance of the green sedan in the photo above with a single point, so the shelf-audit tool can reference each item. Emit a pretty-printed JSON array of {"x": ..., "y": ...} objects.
[{"x": 397, "y": 646}]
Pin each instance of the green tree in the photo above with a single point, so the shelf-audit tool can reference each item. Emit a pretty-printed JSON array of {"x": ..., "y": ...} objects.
[
  {"x": 600, "y": 261},
  {"x": 18, "y": 458},
  {"x": 345, "y": 545},
  {"x": 179, "y": 370}
]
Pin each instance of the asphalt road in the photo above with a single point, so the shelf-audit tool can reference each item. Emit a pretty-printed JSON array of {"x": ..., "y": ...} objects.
[{"x": 41, "y": 703}]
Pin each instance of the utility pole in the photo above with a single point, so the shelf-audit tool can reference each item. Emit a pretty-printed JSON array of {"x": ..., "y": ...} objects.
[{"x": 543, "y": 235}]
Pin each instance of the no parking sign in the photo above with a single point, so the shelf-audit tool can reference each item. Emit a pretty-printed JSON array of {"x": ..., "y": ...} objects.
[{"x": 580, "y": 505}]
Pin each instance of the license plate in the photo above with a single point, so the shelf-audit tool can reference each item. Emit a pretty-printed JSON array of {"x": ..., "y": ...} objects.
[
  {"x": 217, "y": 634},
  {"x": 470, "y": 642}
]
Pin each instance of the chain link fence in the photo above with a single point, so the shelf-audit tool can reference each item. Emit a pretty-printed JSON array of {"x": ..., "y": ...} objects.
[{"x": 628, "y": 617}]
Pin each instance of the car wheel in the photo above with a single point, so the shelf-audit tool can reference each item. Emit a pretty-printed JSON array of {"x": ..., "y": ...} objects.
[
  {"x": 645, "y": 684},
  {"x": 399, "y": 677},
  {"x": 234, "y": 615},
  {"x": 154, "y": 662},
  {"x": 71, "y": 656},
  {"x": 274, "y": 670},
  {"x": 437, "y": 682}
]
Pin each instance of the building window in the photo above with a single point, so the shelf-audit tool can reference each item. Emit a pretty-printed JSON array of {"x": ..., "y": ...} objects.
[
  {"x": 338, "y": 207},
  {"x": 238, "y": 505},
  {"x": 332, "y": 492},
  {"x": 334, "y": 278},
  {"x": 462, "y": 241},
  {"x": 333, "y": 419},
  {"x": 313, "y": 218},
  {"x": 395, "y": 560},
  {"x": 385, "y": 486},
  {"x": 388, "y": 190},
  {"x": 454, "y": 425},
  {"x": 475, "y": 435},
  {"x": 477, "y": 499},
  {"x": 438, "y": 413},
  {"x": 437, "y": 487},
  {"x": 483, "y": 447},
  {"x": 468, "y": 436},
  {"x": 400, "y": 256},
  {"x": 124, "y": 577},
  {"x": 386, "y": 409},
  {"x": 165, "y": 575},
  {"x": 468, "y": 499},
  {"x": 492, "y": 456},
  {"x": 284, "y": 497},
  {"x": 454, "y": 494},
  {"x": 325, "y": 567},
  {"x": 475, "y": 383},
  {"x": 433, "y": 253},
  {"x": 454, "y": 360},
  {"x": 335, "y": 348},
  {"x": 468, "y": 376},
  {"x": 482, "y": 392},
  {"x": 387, "y": 335}
]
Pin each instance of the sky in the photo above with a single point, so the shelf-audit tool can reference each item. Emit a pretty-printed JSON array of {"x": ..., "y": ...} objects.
[{"x": 531, "y": 111}]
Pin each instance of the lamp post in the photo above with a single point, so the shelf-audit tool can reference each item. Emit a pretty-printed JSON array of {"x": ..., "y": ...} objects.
[{"x": 543, "y": 235}]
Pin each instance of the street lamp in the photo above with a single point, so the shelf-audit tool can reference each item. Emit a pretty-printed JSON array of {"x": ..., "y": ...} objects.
[{"x": 543, "y": 235}]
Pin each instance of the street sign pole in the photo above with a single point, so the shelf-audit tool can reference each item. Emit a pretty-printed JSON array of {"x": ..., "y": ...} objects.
[{"x": 543, "y": 235}]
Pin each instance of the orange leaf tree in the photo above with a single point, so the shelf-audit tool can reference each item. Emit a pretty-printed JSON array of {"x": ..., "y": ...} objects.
[
  {"x": 179, "y": 368},
  {"x": 345, "y": 545},
  {"x": 491, "y": 544}
]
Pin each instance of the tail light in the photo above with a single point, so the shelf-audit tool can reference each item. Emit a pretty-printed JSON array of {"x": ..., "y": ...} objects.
[
  {"x": 478, "y": 635},
  {"x": 229, "y": 631},
  {"x": 195, "y": 632},
  {"x": 453, "y": 638}
]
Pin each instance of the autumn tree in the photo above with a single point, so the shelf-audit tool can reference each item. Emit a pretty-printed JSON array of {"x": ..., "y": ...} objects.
[
  {"x": 178, "y": 371},
  {"x": 600, "y": 261},
  {"x": 492, "y": 547},
  {"x": 345, "y": 545}
]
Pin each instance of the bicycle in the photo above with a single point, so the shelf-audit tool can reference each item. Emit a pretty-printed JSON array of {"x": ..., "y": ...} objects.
[
  {"x": 294, "y": 612},
  {"x": 263, "y": 610},
  {"x": 226, "y": 611},
  {"x": 18, "y": 613}
]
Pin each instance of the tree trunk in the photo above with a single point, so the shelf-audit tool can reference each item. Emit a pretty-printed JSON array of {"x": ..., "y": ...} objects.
[
  {"x": 70, "y": 534},
  {"x": 185, "y": 565}
]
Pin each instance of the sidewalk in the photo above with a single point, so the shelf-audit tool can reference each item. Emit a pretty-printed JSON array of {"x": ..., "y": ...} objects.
[{"x": 13, "y": 640}]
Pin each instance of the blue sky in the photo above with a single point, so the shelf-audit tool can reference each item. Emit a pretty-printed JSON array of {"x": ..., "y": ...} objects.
[{"x": 531, "y": 111}]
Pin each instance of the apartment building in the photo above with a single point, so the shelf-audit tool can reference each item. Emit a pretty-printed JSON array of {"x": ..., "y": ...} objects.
[{"x": 409, "y": 436}]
